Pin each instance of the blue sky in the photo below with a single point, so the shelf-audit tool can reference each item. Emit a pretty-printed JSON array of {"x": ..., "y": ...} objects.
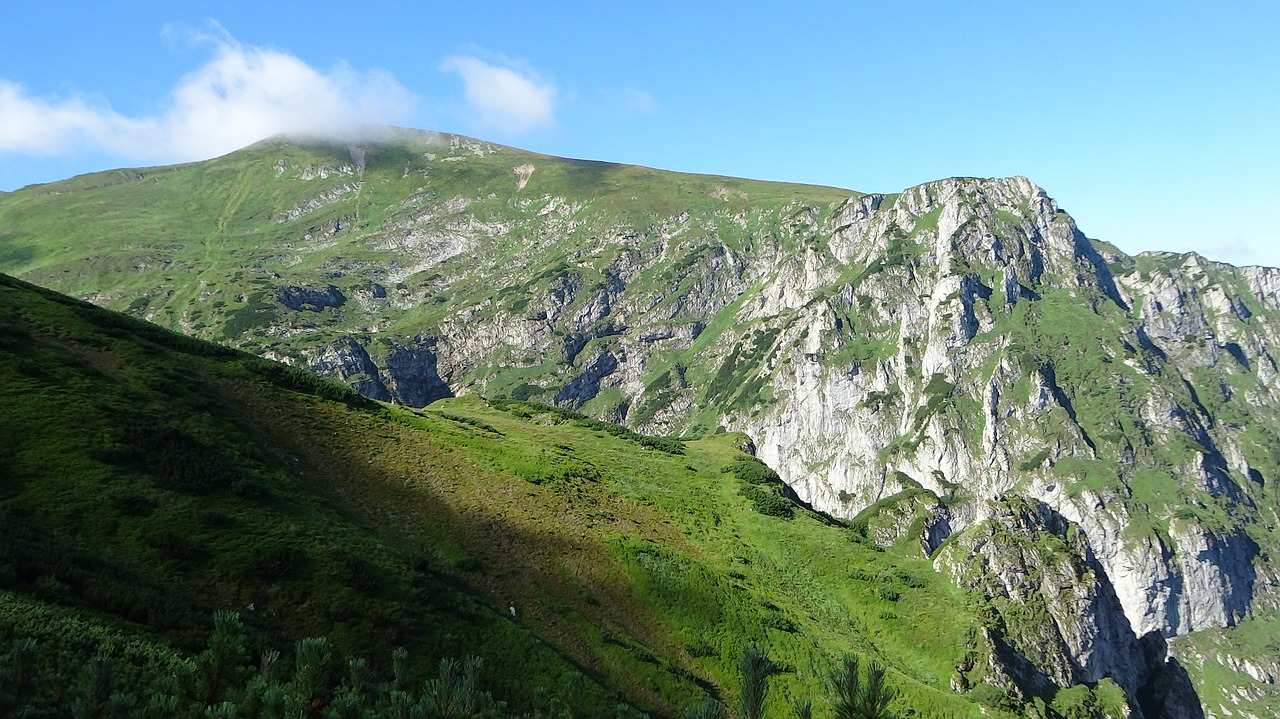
[{"x": 1153, "y": 124}]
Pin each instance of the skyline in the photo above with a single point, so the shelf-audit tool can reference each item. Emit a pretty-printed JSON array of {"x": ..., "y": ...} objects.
[{"x": 1150, "y": 123}]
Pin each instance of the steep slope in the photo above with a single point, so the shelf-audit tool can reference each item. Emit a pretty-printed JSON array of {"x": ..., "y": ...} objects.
[
  {"x": 954, "y": 361},
  {"x": 468, "y": 261},
  {"x": 149, "y": 479}
]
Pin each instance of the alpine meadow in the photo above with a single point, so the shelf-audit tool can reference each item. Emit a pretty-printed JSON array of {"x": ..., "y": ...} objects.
[{"x": 427, "y": 426}]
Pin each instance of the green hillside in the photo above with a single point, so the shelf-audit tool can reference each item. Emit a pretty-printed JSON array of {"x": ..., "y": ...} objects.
[
  {"x": 208, "y": 246},
  {"x": 150, "y": 480},
  {"x": 1082, "y": 442}
]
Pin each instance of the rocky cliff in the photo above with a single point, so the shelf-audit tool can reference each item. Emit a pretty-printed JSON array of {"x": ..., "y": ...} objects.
[{"x": 957, "y": 364}]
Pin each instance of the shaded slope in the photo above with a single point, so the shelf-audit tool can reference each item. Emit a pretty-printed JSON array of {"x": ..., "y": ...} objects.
[
  {"x": 152, "y": 479},
  {"x": 139, "y": 493}
]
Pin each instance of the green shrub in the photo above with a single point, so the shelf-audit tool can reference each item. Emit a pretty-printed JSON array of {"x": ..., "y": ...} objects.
[
  {"x": 753, "y": 471},
  {"x": 278, "y": 562},
  {"x": 766, "y": 500},
  {"x": 992, "y": 696}
]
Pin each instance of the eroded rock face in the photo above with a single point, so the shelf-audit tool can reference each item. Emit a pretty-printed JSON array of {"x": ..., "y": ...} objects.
[
  {"x": 957, "y": 401},
  {"x": 963, "y": 337},
  {"x": 310, "y": 299},
  {"x": 414, "y": 374},
  {"x": 350, "y": 362},
  {"x": 1053, "y": 617}
]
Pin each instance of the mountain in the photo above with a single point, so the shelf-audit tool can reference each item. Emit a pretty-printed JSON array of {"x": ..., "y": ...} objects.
[
  {"x": 148, "y": 480},
  {"x": 1082, "y": 440}
]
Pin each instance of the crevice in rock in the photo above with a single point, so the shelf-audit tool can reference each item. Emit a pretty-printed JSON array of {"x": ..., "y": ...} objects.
[
  {"x": 1106, "y": 282},
  {"x": 1167, "y": 692},
  {"x": 1060, "y": 396}
]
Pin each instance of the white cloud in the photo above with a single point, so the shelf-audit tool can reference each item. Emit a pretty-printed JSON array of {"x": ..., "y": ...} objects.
[
  {"x": 38, "y": 125},
  {"x": 245, "y": 94},
  {"x": 1242, "y": 252},
  {"x": 242, "y": 95},
  {"x": 630, "y": 99},
  {"x": 505, "y": 98}
]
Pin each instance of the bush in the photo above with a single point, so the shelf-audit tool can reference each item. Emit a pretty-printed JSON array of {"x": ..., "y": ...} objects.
[
  {"x": 354, "y": 571},
  {"x": 992, "y": 696},
  {"x": 525, "y": 391},
  {"x": 133, "y": 504},
  {"x": 768, "y": 501},
  {"x": 887, "y": 593},
  {"x": 753, "y": 471},
  {"x": 278, "y": 562}
]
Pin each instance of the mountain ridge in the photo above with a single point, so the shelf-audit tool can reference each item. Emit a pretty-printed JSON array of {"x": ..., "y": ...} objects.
[{"x": 914, "y": 359}]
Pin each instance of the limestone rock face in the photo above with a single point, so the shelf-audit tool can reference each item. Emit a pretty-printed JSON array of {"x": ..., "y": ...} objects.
[
  {"x": 957, "y": 344},
  {"x": 310, "y": 299},
  {"x": 1032, "y": 566},
  {"x": 414, "y": 374},
  {"x": 349, "y": 361}
]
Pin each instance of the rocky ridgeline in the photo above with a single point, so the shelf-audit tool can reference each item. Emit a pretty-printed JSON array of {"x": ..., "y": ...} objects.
[
  {"x": 953, "y": 339},
  {"x": 997, "y": 337}
]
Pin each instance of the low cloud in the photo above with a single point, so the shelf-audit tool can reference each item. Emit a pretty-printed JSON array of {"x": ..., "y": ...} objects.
[
  {"x": 505, "y": 98},
  {"x": 241, "y": 95},
  {"x": 40, "y": 126},
  {"x": 632, "y": 100},
  {"x": 1240, "y": 252}
]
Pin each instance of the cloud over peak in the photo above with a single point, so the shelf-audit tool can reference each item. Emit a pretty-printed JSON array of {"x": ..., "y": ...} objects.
[
  {"x": 241, "y": 95},
  {"x": 505, "y": 98}
]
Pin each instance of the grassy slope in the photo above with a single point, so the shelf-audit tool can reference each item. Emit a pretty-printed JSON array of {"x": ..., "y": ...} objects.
[
  {"x": 1223, "y": 689},
  {"x": 152, "y": 479},
  {"x": 204, "y": 248},
  {"x": 121, "y": 237}
]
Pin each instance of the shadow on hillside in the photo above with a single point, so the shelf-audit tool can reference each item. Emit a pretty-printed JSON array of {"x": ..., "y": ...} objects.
[{"x": 512, "y": 546}]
